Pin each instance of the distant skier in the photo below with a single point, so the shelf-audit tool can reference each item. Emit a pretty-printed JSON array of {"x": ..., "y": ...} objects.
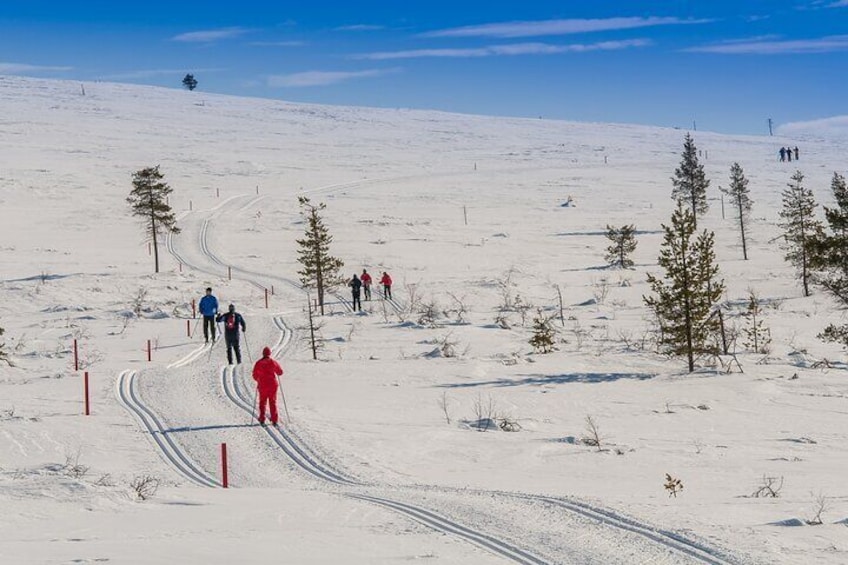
[
  {"x": 209, "y": 309},
  {"x": 796, "y": 152},
  {"x": 366, "y": 284},
  {"x": 355, "y": 284},
  {"x": 386, "y": 281},
  {"x": 265, "y": 373},
  {"x": 782, "y": 154},
  {"x": 789, "y": 154},
  {"x": 232, "y": 320}
]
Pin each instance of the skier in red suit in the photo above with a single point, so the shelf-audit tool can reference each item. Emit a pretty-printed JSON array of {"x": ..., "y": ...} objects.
[{"x": 265, "y": 373}]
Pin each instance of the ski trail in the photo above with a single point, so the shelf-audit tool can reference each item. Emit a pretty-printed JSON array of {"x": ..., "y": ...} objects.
[{"x": 170, "y": 450}]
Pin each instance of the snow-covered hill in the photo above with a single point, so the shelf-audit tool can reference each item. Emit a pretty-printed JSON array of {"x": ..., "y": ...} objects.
[{"x": 379, "y": 461}]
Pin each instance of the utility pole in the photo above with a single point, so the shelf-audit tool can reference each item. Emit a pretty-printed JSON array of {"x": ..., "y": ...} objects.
[{"x": 770, "y": 124}]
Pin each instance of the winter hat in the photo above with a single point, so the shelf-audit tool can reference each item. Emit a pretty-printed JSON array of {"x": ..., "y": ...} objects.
[{"x": 266, "y": 352}]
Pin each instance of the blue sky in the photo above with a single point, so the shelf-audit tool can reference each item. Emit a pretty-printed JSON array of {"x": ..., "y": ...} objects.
[{"x": 727, "y": 66}]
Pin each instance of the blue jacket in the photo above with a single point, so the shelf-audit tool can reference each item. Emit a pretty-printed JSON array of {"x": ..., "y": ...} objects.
[{"x": 208, "y": 305}]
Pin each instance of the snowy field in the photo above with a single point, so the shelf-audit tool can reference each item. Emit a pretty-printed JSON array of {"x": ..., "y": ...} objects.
[{"x": 379, "y": 461}]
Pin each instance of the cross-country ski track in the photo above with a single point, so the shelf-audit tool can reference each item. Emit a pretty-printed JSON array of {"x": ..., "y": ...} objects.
[{"x": 186, "y": 448}]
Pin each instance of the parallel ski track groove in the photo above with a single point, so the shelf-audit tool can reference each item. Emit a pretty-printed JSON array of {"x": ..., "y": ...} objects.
[
  {"x": 442, "y": 524},
  {"x": 170, "y": 450}
]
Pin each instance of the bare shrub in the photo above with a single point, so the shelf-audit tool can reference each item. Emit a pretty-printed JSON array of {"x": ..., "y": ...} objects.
[
  {"x": 444, "y": 402},
  {"x": 72, "y": 467},
  {"x": 144, "y": 487},
  {"x": 592, "y": 435},
  {"x": 821, "y": 504},
  {"x": 138, "y": 301},
  {"x": 448, "y": 346},
  {"x": 429, "y": 314},
  {"x": 507, "y": 424},
  {"x": 769, "y": 488},
  {"x": 485, "y": 412},
  {"x": 600, "y": 289},
  {"x": 672, "y": 485},
  {"x": 457, "y": 309},
  {"x": 104, "y": 481}
]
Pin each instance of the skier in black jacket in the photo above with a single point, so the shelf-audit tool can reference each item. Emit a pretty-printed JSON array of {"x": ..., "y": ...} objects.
[{"x": 232, "y": 320}]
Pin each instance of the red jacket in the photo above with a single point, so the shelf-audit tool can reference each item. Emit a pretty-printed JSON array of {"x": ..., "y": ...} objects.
[
  {"x": 265, "y": 373},
  {"x": 366, "y": 279},
  {"x": 386, "y": 280}
]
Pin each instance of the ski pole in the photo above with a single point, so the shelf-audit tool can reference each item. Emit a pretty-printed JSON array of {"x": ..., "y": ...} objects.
[
  {"x": 247, "y": 345},
  {"x": 283, "y": 395},
  {"x": 254, "y": 412},
  {"x": 194, "y": 331}
]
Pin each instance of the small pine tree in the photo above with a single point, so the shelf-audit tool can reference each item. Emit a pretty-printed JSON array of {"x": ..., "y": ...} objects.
[
  {"x": 544, "y": 333},
  {"x": 831, "y": 256},
  {"x": 320, "y": 271},
  {"x": 741, "y": 201},
  {"x": 189, "y": 81},
  {"x": 623, "y": 244},
  {"x": 757, "y": 335},
  {"x": 802, "y": 232},
  {"x": 684, "y": 299},
  {"x": 690, "y": 181},
  {"x": 149, "y": 201}
]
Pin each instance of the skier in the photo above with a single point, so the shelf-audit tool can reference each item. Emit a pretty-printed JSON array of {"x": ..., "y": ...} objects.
[
  {"x": 209, "y": 309},
  {"x": 232, "y": 320},
  {"x": 366, "y": 283},
  {"x": 386, "y": 281},
  {"x": 782, "y": 154},
  {"x": 265, "y": 373},
  {"x": 796, "y": 152},
  {"x": 355, "y": 284}
]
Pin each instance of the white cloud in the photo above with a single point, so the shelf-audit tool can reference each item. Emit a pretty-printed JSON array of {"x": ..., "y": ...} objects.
[
  {"x": 322, "y": 78},
  {"x": 775, "y": 47},
  {"x": 557, "y": 27},
  {"x": 503, "y": 50},
  {"x": 210, "y": 35},
  {"x": 360, "y": 27},
  {"x": 839, "y": 4},
  {"x": 150, "y": 73},
  {"x": 12, "y": 68},
  {"x": 825, "y": 128},
  {"x": 277, "y": 43}
]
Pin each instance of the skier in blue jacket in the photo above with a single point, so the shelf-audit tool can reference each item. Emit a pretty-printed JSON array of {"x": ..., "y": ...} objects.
[{"x": 209, "y": 309}]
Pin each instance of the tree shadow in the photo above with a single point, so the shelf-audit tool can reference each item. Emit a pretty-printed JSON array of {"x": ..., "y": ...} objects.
[
  {"x": 206, "y": 428},
  {"x": 538, "y": 380}
]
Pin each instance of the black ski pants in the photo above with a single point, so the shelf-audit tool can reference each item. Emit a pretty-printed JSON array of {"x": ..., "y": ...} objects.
[
  {"x": 356, "y": 301},
  {"x": 232, "y": 339},
  {"x": 209, "y": 326}
]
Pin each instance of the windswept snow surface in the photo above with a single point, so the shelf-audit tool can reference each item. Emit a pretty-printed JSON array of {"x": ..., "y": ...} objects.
[{"x": 379, "y": 459}]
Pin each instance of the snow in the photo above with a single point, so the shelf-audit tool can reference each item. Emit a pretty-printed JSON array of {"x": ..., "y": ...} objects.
[{"x": 382, "y": 475}]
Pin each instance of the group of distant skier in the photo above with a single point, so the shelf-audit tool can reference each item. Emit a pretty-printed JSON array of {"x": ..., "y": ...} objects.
[
  {"x": 362, "y": 283},
  {"x": 786, "y": 153}
]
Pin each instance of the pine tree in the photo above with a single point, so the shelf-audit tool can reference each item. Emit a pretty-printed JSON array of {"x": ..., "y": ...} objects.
[
  {"x": 684, "y": 299},
  {"x": 149, "y": 201},
  {"x": 690, "y": 181},
  {"x": 802, "y": 231},
  {"x": 543, "y": 333},
  {"x": 189, "y": 81},
  {"x": 623, "y": 244},
  {"x": 320, "y": 270},
  {"x": 757, "y": 335},
  {"x": 831, "y": 256},
  {"x": 740, "y": 200}
]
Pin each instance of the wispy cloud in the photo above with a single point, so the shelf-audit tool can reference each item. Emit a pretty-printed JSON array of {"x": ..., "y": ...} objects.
[
  {"x": 150, "y": 73},
  {"x": 839, "y": 4},
  {"x": 277, "y": 43},
  {"x": 557, "y": 27},
  {"x": 360, "y": 27},
  {"x": 506, "y": 50},
  {"x": 323, "y": 78},
  {"x": 210, "y": 35},
  {"x": 12, "y": 68},
  {"x": 756, "y": 46}
]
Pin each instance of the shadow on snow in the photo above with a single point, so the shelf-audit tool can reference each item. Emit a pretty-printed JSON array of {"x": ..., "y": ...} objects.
[{"x": 570, "y": 378}]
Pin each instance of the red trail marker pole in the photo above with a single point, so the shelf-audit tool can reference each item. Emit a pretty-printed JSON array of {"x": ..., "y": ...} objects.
[
  {"x": 224, "y": 479},
  {"x": 229, "y": 273},
  {"x": 193, "y": 309},
  {"x": 85, "y": 380},
  {"x": 149, "y": 351},
  {"x": 76, "y": 356},
  {"x": 266, "y": 298},
  {"x": 272, "y": 290},
  {"x": 217, "y": 192},
  {"x": 188, "y": 328}
]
